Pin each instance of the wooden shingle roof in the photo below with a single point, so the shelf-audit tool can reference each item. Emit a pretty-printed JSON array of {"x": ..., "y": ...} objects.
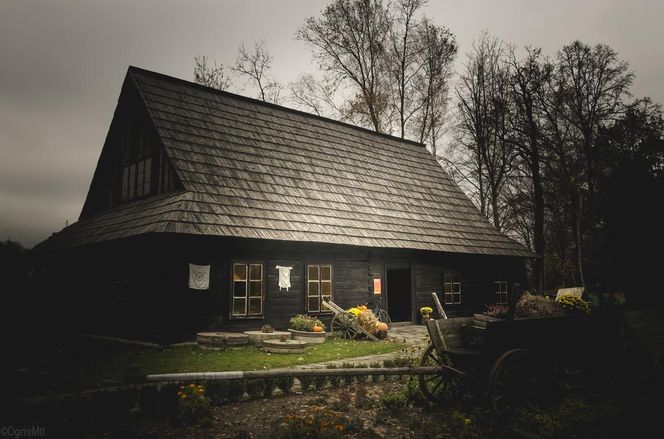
[{"x": 256, "y": 170}]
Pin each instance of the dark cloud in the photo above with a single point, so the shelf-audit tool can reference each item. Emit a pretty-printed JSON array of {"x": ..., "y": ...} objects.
[{"x": 62, "y": 64}]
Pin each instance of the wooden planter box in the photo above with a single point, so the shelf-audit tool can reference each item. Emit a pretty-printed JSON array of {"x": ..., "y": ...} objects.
[{"x": 308, "y": 337}]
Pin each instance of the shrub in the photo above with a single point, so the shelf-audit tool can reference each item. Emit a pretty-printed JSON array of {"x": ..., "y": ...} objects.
[
  {"x": 303, "y": 322},
  {"x": 531, "y": 305},
  {"x": 573, "y": 305},
  {"x": 267, "y": 328},
  {"x": 343, "y": 404},
  {"x": 426, "y": 311},
  {"x": 319, "y": 424},
  {"x": 394, "y": 402},
  {"x": 193, "y": 406}
]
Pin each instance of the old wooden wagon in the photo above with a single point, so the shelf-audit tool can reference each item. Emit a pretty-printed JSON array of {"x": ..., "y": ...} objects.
[{"x": 513, "y": 361}]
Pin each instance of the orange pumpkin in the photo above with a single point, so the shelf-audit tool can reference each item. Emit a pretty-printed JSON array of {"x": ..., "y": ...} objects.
[
  {"x": 382, "y": 326},
  {"x": 317, "y": 328}
]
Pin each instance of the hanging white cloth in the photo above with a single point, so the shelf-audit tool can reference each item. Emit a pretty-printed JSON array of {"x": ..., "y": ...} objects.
[
  {"x": 199, "y": 277},
  {"x": 284, "y": 277}
]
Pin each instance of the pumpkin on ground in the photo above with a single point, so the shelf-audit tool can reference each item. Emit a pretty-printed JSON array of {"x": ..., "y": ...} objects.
[{"x": 382, "y": 326}]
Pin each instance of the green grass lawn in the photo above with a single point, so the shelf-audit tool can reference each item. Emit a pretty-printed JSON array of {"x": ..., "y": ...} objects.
[
  {"x": 193, "y": 359},
  {"x": 46, "y": 363}
]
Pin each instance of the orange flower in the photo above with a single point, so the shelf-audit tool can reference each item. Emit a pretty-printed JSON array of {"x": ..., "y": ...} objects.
[{"x": 339, "y": 427}]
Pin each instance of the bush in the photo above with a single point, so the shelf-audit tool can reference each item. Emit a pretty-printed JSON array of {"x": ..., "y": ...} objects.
[
  {"x": 303, "y": 322},
  {"x": 193, "y": 406},
  {"x": 531, "y": 305},
  {"x": 319, "y": 424},
  {"x": 394, "y": 402},
  {"x": 573, "y": 305}
]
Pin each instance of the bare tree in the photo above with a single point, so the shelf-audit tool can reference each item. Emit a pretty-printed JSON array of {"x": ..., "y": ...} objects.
[
  {"x": 527, "y": 79},
  {"x": 255, "y": 64},
  {"x": 592, "y": 83},
  {"x": 349, "y": 43},
  {"x": 403, "y": 58},
  {"x": 316, "y": 95},
  {"x": 430, "y": 90},
  {"x": 210, "y": 75},
  {"x": 484, "y": 111}
]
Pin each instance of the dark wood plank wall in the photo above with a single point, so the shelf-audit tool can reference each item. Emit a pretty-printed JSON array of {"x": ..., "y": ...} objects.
[{"x": 145, "y": 280}]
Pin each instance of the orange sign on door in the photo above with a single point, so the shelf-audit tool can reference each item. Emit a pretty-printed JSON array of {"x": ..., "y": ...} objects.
[{"x": 377, "y": 285}]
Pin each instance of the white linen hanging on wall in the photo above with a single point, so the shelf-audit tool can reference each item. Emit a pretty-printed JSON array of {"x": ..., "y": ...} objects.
[
  {"x": 284, "y": 277},
  {"x": 199, "y": 277}
]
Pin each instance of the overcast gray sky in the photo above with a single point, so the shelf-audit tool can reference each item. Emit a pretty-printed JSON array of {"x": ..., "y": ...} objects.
[{"x": 62, "y": 64}]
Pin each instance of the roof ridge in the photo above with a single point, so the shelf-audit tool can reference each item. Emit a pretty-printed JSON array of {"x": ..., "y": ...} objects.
[{"x": 271, "y": 105}]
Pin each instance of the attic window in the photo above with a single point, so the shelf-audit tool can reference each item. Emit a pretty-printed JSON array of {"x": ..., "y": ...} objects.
[{"x": 136, "y": 179}]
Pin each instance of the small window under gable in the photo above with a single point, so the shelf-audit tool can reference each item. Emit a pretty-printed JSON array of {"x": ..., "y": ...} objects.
[
  {"x": 138, "y": 144},
  {"x": 136, "y": 179}
]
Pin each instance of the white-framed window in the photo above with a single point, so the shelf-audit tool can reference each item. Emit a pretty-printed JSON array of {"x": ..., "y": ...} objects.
[
  {"x": 247, "y": 292},
  {"x": 452, "y": 288},
  {"x": 501, "y": 292},
  {"x": 319, "y": 287}
]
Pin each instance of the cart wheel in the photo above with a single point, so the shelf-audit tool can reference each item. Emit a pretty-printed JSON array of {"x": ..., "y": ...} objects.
[
  {"x": 443, "y": 386},
  {"x": 513, "y": 381},
  {"x": 344, "y": 325}
]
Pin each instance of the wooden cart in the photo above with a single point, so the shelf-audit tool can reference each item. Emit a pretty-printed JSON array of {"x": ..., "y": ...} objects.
[
  {"x": 345, "y": 324},
  {"x": 510, "y": 359}
]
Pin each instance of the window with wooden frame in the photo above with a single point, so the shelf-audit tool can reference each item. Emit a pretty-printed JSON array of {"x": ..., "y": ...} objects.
[
  {"x": 452, "y": 288},
  {"x": 136, "y": 179},
  {"x": 247, "y": 291},
  {"x": 501, "y": 292},
  {"x": 319, "y": 287}
]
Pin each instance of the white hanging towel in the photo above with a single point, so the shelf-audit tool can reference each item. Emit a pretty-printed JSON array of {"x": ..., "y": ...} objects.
[
  {"x": 284, "y": 277},
  {"x": 199, "y": 277}
]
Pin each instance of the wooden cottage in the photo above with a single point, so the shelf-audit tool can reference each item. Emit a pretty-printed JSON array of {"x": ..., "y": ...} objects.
[{"x": 193, "y": 175}]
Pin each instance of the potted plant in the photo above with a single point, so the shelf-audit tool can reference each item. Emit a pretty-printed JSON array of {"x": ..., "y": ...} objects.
[
  {"x": 426, "y": 312},
  {"x": 307, "y": 328}
]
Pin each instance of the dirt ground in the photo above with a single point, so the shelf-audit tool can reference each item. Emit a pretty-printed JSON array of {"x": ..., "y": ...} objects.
[{"x": 365, "y": 417}]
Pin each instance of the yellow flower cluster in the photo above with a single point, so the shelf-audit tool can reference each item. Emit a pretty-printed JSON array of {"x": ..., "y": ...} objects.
[
  {"x": 308, "y": 425},
  {"x": 426, "y": 311},
  {"x": 190, "y": 391},
  {"x": 571, "y": 303},
  {"x": 365, "y": 317}
]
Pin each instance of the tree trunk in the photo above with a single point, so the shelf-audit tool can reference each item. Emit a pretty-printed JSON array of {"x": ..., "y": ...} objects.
[{"x": 538, "y": 218}]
